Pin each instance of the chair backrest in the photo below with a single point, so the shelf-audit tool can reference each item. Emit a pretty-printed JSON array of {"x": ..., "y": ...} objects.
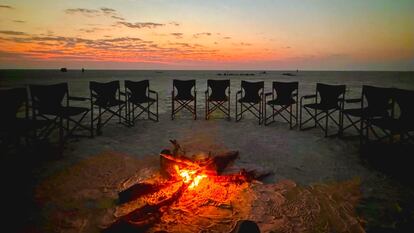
[
  {"x": 330, "y": 94},
  {"x": 184, "y": 88},
  {"x": 252, "y": 90},
  {"x": 284, "y": 90},
  {"x": 405, "y": 100},
  {"x": 46, "y": 98},
  {"x": 104, "y": 92},
  {"x": 11, "y": 100},
  {"x": 218, "y": 89},
  {"x": 137, "y": 89},
  {"x": 378, "y": 98}
]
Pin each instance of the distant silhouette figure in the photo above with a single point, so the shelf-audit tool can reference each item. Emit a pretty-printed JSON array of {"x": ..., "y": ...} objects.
[
  {"x": 63, "y": 69},
  {"x": 83, "y": 70}
]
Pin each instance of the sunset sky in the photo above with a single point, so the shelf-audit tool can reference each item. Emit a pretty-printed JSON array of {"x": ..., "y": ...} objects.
[{"x": 208, "y": 34}]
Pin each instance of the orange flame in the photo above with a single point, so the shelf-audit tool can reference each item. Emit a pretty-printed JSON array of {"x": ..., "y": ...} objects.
[{"x": 189, "y": 177}]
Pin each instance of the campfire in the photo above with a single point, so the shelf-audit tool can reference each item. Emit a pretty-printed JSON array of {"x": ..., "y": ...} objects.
[{"x": 185, "y": 189}]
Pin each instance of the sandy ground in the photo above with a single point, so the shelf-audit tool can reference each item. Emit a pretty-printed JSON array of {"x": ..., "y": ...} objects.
[{"x": 304, "y": 157}]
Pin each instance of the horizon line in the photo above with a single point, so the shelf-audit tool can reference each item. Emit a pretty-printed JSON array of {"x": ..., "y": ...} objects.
[{"x": 222, "y": 70}]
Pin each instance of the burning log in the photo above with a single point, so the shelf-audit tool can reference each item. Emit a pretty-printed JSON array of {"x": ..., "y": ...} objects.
[{"x": 176, "y": 169}]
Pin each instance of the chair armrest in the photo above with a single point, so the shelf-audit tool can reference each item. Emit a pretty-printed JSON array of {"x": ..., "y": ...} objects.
[
  {"x": 353, "y": 100},
  {"x": 238, "y": 92},
  {"x": 308, "y": 96},
  {"x": 77, "y": 98},
  {"x": 269, "y": 93},
  {"x": 153, "y": 92}
]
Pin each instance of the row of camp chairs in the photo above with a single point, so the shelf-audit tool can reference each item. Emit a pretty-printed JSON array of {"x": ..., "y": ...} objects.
[
  {"x": 50, "y": 107},
  {"x": 249, "y": 98},
  {"x": 383, "y": 112},
  {"x": 376, "y": 110},
  {"x": 49, "y": 110}
]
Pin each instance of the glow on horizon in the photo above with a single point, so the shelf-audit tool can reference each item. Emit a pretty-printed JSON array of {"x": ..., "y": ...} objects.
[{"x": 214, "y": 34}]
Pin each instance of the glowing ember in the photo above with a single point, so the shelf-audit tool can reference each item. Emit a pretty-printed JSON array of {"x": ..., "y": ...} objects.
[{"x": 189, "y": 176}]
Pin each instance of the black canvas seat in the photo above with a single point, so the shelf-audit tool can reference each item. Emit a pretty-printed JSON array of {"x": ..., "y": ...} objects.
[
  {"x": 368, "y": 112},
  {"x": 107, "y": 98},
  {"x": 185, "y": 97},
  {"x": 65, "y": 111},
  {"x": 142, "y": 100},
  {"x": 251, "y": 98},
  {"x": 284, "y": 95},
  {"x": 375, "y": 102},
  {"x": 52, "y": 102},
  {"x": 327, "y": 100},
  {"x": 402, "y": 125},
  {"x": 218, "y": 98},
  {"x": 281, "y": 102},
  {"x": 138, "y": 97},
  {"x": 14, "y": 126},
  {"x": 108, "y": 104}
]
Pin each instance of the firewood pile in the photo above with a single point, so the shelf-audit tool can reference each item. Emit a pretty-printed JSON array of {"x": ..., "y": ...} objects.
[{"x": 191, "y": 194}]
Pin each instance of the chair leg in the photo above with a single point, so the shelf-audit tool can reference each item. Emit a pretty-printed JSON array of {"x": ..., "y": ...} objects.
[
  {"x": 206, "y": 107},
  {"x": 290, "y": 117},
  {"x": 127, "y": 117},
  {"x": 119, "y": 114},
  {"x": 296, "y": 115},
  {"x": 300, "y": 117},
  {"x": 172, "y": 109},
  {"x": 157, "y": 108},
  {"x": 236, "y": 112},
  {"x": 98, "y": 128},
  {"x": 326, "y": 124},
  {"x": 260, "y": 112},
  {"x": 195, "y": 109},
  {"x": 341, "y": 119},
  {"x": 92, "y": 128},
  {"x": 228, "y": 114},
  {"x": 148, "y": 110},
  {"x": 61, "y": 134}
]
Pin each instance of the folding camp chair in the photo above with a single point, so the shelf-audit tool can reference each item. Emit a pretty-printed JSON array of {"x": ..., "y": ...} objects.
[
  {"x": 390, "y": 125},
  {"x": 218, "y": 97},
  {"x": 107, "y": 98},
  {"x": 250, "y": 96},
  {"x": 286, "y": 94},
  {"x": 15, "y": 122},
  {"x": 331, "y": 101},
  {"x": 138, "y": 97},
  {"x": 374, "y": 103},
  {"x": 47, "y": 104},
  {"x": 184, "y": 97}
]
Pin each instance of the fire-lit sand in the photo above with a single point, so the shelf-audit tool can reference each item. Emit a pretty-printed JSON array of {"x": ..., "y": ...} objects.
[
  {"x": 311, "y": 188},
  {"x": 89, "y": 204}
]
